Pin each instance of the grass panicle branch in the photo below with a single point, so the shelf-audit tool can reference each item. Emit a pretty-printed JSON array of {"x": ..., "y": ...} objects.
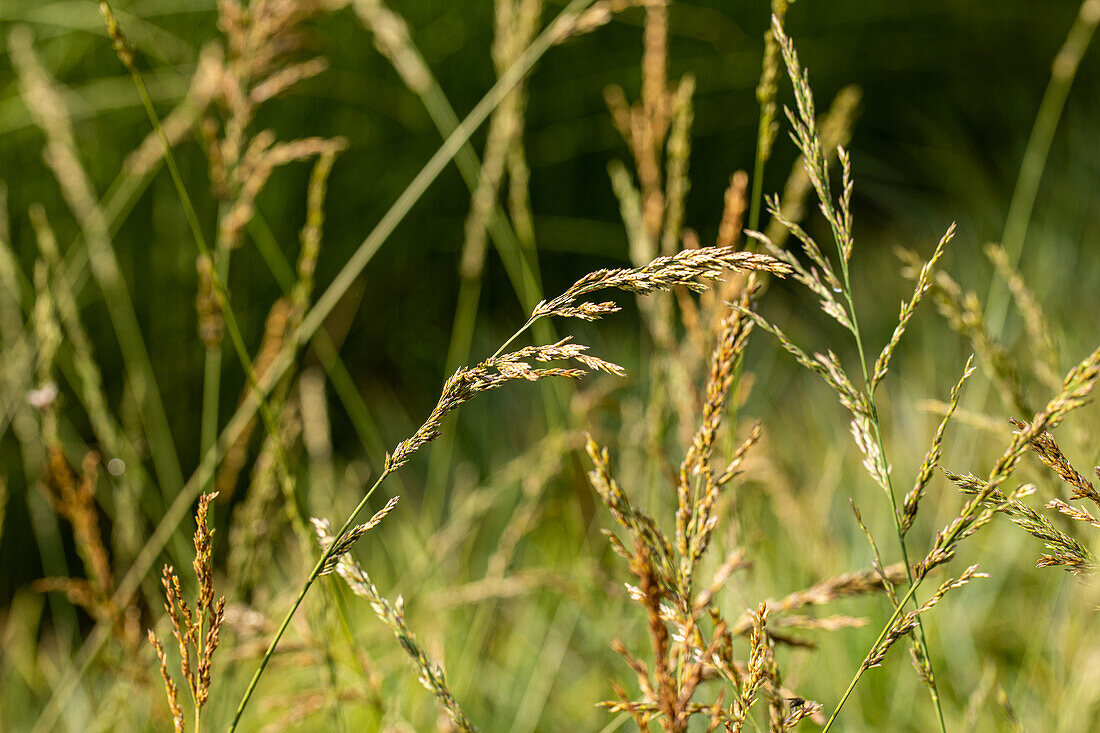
[
  {"x": 498, "y": 370},
  {"x": 1076, "y": 389},
  {"x": 430, "y": 673}
]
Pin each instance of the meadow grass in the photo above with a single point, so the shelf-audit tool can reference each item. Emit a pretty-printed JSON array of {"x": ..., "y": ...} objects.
[{"x": 676, "y": 534}]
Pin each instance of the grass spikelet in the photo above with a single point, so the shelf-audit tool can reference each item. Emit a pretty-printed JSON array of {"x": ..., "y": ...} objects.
[
  {"x": 493, "y": 373},
  {"x": 828, "y": 591},
  {"x": 1062, "y": 549},
  {"x": 1075, "y": 392},
  {"x": 759, "y": 652},
  {"x": 935, "y": 452},
  {"x": 687, "y": 268},
  {"x": 169, "y": 684},
  {"x": 344, "y": 545},
  {"x": 908, "y": 308},
  {"x": 1073, "y": 512},
  {"x": 1052, "y": 457}
]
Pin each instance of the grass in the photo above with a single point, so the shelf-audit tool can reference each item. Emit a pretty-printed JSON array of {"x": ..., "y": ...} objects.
[{"x": 669, "y": 542}]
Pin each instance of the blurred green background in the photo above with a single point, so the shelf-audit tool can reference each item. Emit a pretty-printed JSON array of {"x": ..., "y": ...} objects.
[{"x": 950, "y": 91}]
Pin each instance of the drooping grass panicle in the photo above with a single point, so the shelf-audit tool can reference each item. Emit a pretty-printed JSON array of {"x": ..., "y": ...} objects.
[
  {"x": 429, "y": 672},
  {"x": 688, "y": 268},
  {"x": 1052, "y": 457},
  {"x": 830, "y": 590},
  {"x": 494, "y": 373},
  {"x": 662, "y": 274},
  {"x": 1062, "y": 549},
  {"x": 344, "y": 545}
]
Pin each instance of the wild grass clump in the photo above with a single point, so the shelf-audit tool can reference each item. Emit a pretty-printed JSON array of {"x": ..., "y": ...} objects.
[{"x": 746, "y": 582}]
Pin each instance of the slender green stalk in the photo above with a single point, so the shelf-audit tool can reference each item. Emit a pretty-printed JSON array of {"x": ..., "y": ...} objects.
[
  {"x": 313, "y": 575},
  {"x": 757, "y": 183},
  {"x": 1063, "y": 71},
  {"x": 882, "y": 635},
  {"x": 933, "y": 690},
  {"x": 808, "y": 141},
  {"x": 105, "y": 269},
  {"x": 212, "y": 369},
  {"x": 766, "y": 92},
  {"x": 220, "y": 291}
]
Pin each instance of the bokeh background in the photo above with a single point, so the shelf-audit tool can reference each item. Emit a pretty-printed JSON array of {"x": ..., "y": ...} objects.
[{"x": 950, "y": 93}]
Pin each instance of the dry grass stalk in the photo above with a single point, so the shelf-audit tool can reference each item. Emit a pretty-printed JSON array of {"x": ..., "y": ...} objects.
[
  {"x": 73, "y": 498},
  {"x": 494, "y": 373},
  {"x": 197, "y": 630},
  {"x": 645, "y": 125}
]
